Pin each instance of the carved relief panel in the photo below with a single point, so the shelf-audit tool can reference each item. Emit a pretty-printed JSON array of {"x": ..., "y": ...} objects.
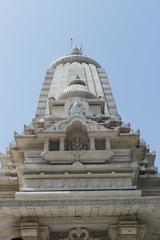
[{"x": 79, "y": 234}]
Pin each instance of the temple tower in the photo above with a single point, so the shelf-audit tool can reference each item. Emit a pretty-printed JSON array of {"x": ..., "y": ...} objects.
[{"x": 78, "y": 172}]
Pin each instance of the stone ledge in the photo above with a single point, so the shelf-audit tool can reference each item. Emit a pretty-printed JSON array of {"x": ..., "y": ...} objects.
[
  {"x": 81, "y": 195},
  {"x": 118, "y": 201}
]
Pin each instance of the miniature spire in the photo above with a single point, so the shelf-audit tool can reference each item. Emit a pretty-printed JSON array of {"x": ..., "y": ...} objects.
[
  {"x": 75, "y": 50},
  {"x": 76, "y": 77},
  {"x": 77, "y": 80},
  {"x": 81, "y": 49}
]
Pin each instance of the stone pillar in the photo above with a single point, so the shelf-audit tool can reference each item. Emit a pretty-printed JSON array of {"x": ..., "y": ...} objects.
[
  {"x": 127, "y": 229},
  {"x": 34, "y": 231},
  {"x": 112, "y": 232},
  {"x": 29, "y": 231},
  {"x": 61, "y": 144},
  {"x": 108, "y": 144},
  {"x": 92, "y": 143},
  {"x": 46, "y": 144},
  {"x": 131, "y": 230}
]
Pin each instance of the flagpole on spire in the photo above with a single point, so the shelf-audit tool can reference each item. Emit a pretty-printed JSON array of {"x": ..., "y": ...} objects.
[
  {"x": 81, "y": 49},
  {"x": 71, "y": 42}
]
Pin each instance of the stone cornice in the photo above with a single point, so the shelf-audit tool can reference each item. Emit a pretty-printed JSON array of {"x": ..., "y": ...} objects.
[{"x": 133, "y": 201}]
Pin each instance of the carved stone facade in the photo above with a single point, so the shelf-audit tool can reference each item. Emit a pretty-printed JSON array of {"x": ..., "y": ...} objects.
[{"x": 77, "y": 172}]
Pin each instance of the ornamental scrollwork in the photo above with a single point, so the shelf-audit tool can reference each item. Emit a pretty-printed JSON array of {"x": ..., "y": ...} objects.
[{"x": 79, "y": 234}]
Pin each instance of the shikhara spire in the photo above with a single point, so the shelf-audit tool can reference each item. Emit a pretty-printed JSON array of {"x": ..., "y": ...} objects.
[
  {"x": 63, "y": 70},
  {"x": 77, "y": 172}
]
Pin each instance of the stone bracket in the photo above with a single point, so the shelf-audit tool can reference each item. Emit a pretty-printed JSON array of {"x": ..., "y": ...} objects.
[{"x": 128, "y": 229}]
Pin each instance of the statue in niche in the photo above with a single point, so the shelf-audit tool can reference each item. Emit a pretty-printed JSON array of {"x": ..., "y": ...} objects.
[
  {"x": 77, "y": 137},
  {"x": 76, "y": 108},
  {"x": 77, "y": 144}
]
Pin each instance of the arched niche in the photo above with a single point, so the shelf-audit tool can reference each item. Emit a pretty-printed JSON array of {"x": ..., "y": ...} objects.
[
  {"x": 100, "y": 144},
  {"x": 77, "y": 136}
]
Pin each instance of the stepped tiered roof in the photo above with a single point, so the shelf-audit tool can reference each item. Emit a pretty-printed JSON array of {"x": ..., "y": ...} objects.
[{"x": 78, "y": 172}]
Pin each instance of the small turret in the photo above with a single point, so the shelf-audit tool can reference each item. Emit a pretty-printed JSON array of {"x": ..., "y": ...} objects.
[{"x": 76, "y": 51}]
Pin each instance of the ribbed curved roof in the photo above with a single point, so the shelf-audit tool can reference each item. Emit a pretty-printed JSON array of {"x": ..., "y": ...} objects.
[
  {"x": 74, "y": 58},
  {"x": 77, "y": 88},
  {"x": 76, "y": 91}
]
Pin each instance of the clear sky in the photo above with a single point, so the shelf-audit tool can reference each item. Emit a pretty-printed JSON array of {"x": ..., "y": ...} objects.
[{"x": 122, "y": 35}]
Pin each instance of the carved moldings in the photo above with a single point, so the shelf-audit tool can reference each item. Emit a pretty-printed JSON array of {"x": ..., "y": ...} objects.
[
  {"x": 63, "y": 125},
  {"x": 72, "y": 182},
  {"x": 79, "y": 234}
]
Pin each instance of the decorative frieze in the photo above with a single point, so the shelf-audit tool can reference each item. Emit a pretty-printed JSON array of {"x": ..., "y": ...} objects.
[{"x": 75, "y": 182}]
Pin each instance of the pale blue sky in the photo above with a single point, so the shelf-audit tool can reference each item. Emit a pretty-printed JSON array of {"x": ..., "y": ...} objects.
[{"x": 122, "y": 35}]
